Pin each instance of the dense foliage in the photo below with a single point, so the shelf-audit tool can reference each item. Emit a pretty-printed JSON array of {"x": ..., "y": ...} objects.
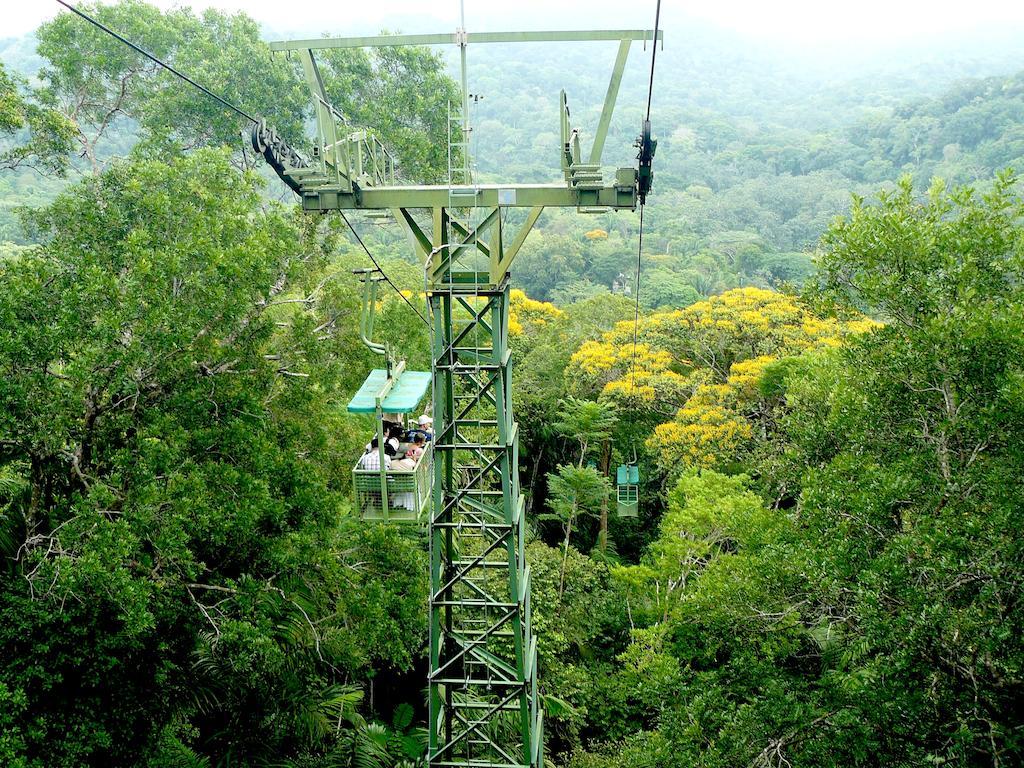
[
  {"x": 31, "y": 133},
  {"x": 826, "y": 567},
  {"x": 176, "y": 578},
  {"x": 854, "y": 596}
]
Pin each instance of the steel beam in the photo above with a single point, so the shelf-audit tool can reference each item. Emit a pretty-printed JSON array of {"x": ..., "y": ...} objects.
[
  {"x": 452, "y": 38},
  {"x": 481, "y": 638},
  {"x": 327, "y": 198},
  {"x": 513, "y": 248},
  {"x": 609, "y": 102}
]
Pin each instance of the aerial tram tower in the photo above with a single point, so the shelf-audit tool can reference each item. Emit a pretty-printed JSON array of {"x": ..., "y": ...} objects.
[
  {"x": 483, "y": 708},
  {"x": 483, "y": 701}
]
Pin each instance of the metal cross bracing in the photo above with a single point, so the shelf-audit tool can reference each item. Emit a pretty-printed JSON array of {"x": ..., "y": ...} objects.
[{"x": 483, "y": 708}]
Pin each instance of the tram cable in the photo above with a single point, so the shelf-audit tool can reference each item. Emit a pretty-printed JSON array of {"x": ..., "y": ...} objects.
[
  {"x": 654, "y": 54},
  {"x": 636, "y": 306},
  {"x": 241, "y": 113},
  {"x": 627, "y": 476},
  {"x": 381, "y": 270},
  {"x": 645, "y": 146},
  {"x": 163, "y": 64}
]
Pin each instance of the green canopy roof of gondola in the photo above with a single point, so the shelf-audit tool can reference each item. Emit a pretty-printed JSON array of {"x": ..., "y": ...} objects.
[
  {"x": 627, "y": 474},
  {"x": 405, "y": 395}
]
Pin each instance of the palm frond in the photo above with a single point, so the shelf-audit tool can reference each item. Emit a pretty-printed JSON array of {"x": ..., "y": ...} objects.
[
  {"x": 556, "y": 707},
  {"x": 361, "y": 746},
  {"x": 609, "y": 555},
  {"x": 182, "y": 756},
  {"x": 12, "y": 522},
  {"x": 12, "y": 532}
]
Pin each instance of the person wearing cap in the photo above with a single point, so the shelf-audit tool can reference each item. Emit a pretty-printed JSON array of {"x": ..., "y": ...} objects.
[{"x": 424, "y": 426}]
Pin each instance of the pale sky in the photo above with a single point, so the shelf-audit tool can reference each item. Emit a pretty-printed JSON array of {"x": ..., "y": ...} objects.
[{"x": 786, "y": 22}]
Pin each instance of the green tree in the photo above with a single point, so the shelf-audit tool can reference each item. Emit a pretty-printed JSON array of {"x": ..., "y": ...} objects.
[
  {"x": 928, "y": 434},
  {"x": 869, "y": 616},
  {"x": 32, "y": 134},
  {"x": 590, "y": 423},
  {"x": 574, "y": 492},
  {"x": 403, "y": 95},
  {"x": 99, "y": 82},
  {"x": 548, "y": 261},
  {"x": 175, "y": 543},
  {"x": 587, "y": 622},
  {"x": 666, "y": 289}
]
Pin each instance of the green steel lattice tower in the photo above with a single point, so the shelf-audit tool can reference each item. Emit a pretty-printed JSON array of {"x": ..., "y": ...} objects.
[{"x": 483, "y": 701}]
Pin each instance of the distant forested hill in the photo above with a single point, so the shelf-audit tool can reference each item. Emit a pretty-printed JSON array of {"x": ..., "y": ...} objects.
[
  {"x": 758, "y": 151},
  {"x": 972, "y": 130}
]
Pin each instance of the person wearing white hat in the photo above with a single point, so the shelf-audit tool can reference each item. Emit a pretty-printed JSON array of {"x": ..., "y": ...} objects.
[{"x": 424, "y": 426}]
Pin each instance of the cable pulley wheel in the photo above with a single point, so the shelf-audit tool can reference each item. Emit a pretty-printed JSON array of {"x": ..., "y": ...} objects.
[{"x": 645, "y": 173}]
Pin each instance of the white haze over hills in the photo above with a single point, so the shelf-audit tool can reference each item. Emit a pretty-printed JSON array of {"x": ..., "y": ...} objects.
[
  {"x": 789, "y": 20},
  {"x": 821, "y": 27},
  {"x": 745, "y": 60},
  {"x": 741, "y": 58},
  {"x": 810, "y": 40}
]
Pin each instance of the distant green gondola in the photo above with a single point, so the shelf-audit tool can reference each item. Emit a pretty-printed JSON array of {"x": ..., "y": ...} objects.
[{"x": 627, "y": 480}]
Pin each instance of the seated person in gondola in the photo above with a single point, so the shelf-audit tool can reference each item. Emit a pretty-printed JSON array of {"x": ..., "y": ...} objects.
[
  {"x": 417, "y": 447},
  {"x": 408, "y": 462},
  {"x": 392, "y": 435},
  {"x": 412, "y": 454},
  {"x": 371, "y": 457},
  {"x": 424, "y": 427}
]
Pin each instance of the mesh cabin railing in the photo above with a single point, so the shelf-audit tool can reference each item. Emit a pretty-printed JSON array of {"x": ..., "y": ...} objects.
[{"x": 407, "y": 491}]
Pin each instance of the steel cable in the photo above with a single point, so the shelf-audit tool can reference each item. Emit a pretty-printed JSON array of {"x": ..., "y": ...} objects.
[
  {"x": 241, "y": 113},
  {"x": 640, "y": 242}
]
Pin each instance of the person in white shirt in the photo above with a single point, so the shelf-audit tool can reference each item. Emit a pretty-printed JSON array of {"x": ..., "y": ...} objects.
[{"x": 371, "y": 459}]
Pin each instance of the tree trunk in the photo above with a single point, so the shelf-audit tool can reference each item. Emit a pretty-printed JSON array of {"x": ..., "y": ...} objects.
[
  {"x": 37, "y": 478},
  {"x": 533, "y": 479},
  {"x": 565, "y": 558},
  {"x": 606, "y": 458}
]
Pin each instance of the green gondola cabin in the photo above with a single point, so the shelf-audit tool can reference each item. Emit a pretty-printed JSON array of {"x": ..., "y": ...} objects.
[
  {"x": 392, "y": 493},
  {"x": 627, "y": 480}
]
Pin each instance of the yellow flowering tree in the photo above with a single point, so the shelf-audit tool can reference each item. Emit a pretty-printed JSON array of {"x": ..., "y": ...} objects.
[
  {"x": 526, "y": 315},
  {"x": 745, "y": 377},
  {"x": 706, "y": 432},
  {"x": 737, "y": 325},
  {"x": 701, "y": 366}
]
